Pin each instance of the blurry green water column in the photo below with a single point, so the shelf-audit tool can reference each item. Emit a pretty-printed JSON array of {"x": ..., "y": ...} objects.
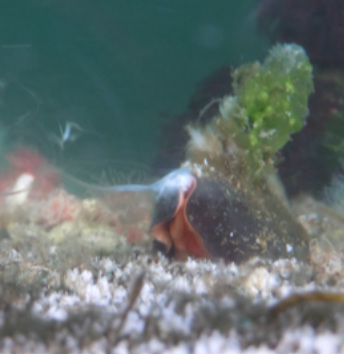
[{"x": 114, "y": 67}]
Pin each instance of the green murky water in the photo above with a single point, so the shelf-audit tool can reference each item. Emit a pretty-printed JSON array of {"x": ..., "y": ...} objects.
[{"x": 115, "y": 68}]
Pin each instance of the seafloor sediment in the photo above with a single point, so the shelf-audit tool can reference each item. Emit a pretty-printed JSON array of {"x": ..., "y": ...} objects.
[{"x": 61, "y": 292}]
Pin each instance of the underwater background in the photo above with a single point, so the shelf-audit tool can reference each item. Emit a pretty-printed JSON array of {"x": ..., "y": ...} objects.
[
  {"x": 119, "y": 70},
  {"x": 111, "y": 85}
]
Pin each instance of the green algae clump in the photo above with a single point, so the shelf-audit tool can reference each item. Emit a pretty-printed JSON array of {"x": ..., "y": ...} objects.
[{"x": 270, "y": 103}]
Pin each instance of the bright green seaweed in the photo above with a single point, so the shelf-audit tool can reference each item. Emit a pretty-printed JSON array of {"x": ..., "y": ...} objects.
[{"x": 270, "y": 103}]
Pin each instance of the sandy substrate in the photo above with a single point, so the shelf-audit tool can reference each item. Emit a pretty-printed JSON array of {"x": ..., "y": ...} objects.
[{"x": 71, "y": 296}]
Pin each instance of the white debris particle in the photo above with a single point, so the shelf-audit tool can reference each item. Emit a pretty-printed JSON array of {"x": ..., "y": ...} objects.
[
  {"x": 147, "y": 292},
  {"x": 216, "y": 343},
  {"x": 289, "y": 248},
  {"x": 200, "y": 286},
  {"x": 92, "y": 293},
  {"x": 154, "y": 346},
  {"x": 181, "y": 348},
  {"x": 56, "y": 313},
  {"x": 160, "y": 275},
  {"x": 298, "y": 341},
  {"x": 133, "y": 324},
  {"x": 121, "y": 348},
  {"x": 172, "y": 321},
  {"x": 120, "y": 295},
  {"x": 182, "y": 284},
  {"x": 86, "y": 276},
  {"x": 261, "y": 282},
  {"x": 328, "y": 343},
  {"x": 192, "y": 265},
  {"x": 69, "y": 300}
]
